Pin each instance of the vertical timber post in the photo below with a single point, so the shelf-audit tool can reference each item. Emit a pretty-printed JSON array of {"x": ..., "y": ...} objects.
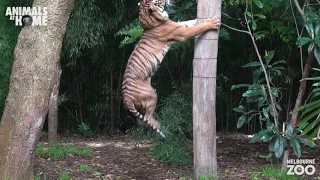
[{"x": 204, "y": 93}]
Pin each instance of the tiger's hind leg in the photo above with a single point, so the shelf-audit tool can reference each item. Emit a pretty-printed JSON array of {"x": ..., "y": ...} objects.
[
  {"x": 149, "y": 101},
  {"x": 150, "y": 108}
]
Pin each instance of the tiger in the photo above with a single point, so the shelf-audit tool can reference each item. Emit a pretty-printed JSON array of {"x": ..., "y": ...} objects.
[{"x": 138, "y": 96}]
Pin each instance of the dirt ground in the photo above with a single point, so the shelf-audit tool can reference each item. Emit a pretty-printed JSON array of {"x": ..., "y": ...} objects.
[{"x": 122, "y": 158}]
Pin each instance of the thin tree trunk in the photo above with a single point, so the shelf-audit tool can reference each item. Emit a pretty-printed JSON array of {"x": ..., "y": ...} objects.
[
  {"x": 302, "y": 88},
  {"x": 204, "y": 93},
  {"x": 53, "y": 110},
  {"x": 36, "y": 56},
  {"x": 299, "y": 100}
]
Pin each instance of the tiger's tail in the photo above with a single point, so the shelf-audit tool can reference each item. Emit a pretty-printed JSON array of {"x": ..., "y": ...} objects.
[{"x": 129, "y": 104}]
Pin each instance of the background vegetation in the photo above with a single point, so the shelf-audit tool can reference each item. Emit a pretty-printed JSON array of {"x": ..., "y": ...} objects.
[{"x": 102, "y": 34}]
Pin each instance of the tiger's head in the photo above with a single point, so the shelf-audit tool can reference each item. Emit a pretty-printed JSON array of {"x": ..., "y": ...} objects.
[{"x": 152, "y": 13}]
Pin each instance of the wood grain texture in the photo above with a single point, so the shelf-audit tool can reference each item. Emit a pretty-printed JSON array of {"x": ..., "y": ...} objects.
[{"x": 204, "y": 93}]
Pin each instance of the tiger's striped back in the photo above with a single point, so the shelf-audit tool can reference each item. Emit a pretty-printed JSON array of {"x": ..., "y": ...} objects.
[{"x": 138, "y": 96}]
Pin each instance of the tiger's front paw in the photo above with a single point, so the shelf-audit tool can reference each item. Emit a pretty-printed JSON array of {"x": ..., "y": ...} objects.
[{"x": 214, "y": 23}]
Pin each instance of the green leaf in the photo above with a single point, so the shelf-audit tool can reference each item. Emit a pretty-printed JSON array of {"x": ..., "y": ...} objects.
[
  {"x": 295, "y": 146},
  {"x": 258, "y": 136},
  {"x": 312, "y": 125},
  {"x": 310, "y": 29},
  {"x": 301, "y": 41},
  {"x": 239, "y": 86},
  {"x": 310, "y": 116},
  {"x": 278, "y": 146},
  {"x": 261, "y": 102},
  {"x": 239, "y": 109},
  {"x": 317, "y": 29},
  {"x": 267, "y": 136},
  {"x": 278, "y": 62},
  {"x": 187, "y": 5},
  {"x": 301, "y": 127},
  {"x": 271, "y": 144},
  {"x": 317, "y": 53},
  {"x": 254, "y": 25},
  {"x": 266, "y": 112},
  {"x": 241, "y": 121},
  {"x": 266, "y": 156},
  {"x": 289, "y": 129},
  {"x": 268, "y": 56},
  {"x": 256, "y": 74},
  {"x": 255, "y": 86},
  {"x": 271, "y": 127},
  {"x": 317, "y": 40},
  {"x": 309, "y": 143},
  {"x": 310, "y": 47},
  {"x": 252, "y": 64},
  {"x": 258, "y": 3},
  {"x": 260, "y": 16},
  {"x": 249, "y": 14},
  {"x": 251, "y": 93}
]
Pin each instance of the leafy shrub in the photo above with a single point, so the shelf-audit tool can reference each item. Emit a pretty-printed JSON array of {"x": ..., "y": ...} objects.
[
  {"x": 85, "y": 130},
  {"x": 176, "y": 119}
]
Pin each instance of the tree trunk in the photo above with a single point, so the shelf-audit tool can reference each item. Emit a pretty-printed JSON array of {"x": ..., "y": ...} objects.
[
  {"x": 53, "y": 109},
  {"x": 204, "y": 93},
  {"x": 36, "y": 59},
  {"x": 299, "y": 100},
  {"x": 302, "y": 88}
]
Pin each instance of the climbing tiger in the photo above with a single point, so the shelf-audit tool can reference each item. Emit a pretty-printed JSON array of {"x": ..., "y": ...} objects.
[{"x": 138, "y": 96}]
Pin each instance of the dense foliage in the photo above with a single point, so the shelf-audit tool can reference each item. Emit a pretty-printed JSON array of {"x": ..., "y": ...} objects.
[{"x": 102, "y": 34}]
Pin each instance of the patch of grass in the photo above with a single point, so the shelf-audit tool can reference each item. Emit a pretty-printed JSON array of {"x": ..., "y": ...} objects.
[
  {"x": 64, "y": 176},
  {"x": 274, "y": 173},
  {"x": 59, "y": 151},
  {"x": 37, "y": 178},
  {"x": 85, "y": 168}
]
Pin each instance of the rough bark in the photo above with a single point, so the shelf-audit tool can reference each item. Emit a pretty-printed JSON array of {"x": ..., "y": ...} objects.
[
  {"x": 204, "y": 93},
  {"x": 53, "y": 110},
  {"x": 36, "y": 59}
]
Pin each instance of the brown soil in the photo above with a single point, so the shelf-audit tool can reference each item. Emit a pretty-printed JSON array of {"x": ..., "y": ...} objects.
[{"x": 121, "y": 158}]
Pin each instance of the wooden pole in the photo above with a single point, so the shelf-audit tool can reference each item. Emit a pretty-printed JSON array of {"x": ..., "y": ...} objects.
[{"x": 204, "y": 93}]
